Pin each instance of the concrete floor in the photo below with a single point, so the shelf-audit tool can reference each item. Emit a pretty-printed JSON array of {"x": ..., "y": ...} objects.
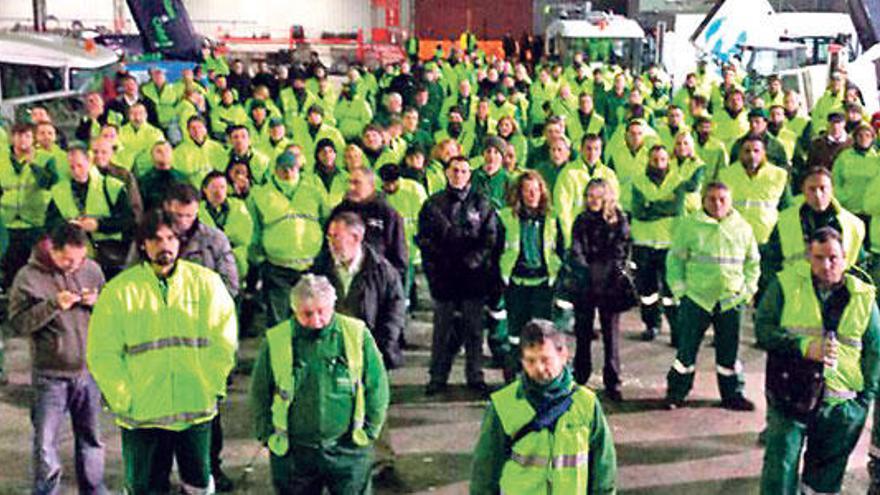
[{"x": 699, "y": 449}]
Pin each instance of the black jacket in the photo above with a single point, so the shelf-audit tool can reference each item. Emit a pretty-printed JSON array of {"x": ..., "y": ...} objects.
[
  {"x": 384, "y": 230},
  {"x": 376, "y": 297},
  {"x": 458, "y": 232},
  {"x": 598, "y": 253},
  {"x": 120, "y": 106}
]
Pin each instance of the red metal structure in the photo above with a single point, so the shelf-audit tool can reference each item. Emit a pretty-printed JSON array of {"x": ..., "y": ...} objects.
[{"x": 488, "y": 19}]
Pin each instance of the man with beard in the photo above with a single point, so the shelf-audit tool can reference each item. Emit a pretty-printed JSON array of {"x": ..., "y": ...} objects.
[
  {"x": 758, "y": 127},
  {"x": 209, "y": 247},
  {"x": 163, "y": 376},
  {"x": 709, "y": 148}
]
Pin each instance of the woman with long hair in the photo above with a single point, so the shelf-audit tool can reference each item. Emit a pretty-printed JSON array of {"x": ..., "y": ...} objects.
[
  {"x": 599, "y": 249},
  {"x": 532, "y": 256}
]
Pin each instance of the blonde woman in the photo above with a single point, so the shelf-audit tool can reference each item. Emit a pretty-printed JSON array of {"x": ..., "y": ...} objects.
[
  {"x": 600, "y": 244},
  {"x": 508, "y": 129}
]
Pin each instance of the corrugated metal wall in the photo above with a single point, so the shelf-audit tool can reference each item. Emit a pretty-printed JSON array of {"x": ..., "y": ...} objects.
[{"x": 488, "y": 19}]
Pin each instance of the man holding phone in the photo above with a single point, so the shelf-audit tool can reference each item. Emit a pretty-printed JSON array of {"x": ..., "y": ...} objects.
[{"x": 51, "y": 303}]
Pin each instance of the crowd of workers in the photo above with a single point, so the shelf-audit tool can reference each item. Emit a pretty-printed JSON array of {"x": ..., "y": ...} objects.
[{"x": 139, "y": 248}]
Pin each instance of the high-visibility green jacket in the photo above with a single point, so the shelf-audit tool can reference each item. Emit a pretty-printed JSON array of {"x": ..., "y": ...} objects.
[
  {"x": 216, "y": 63},
  {"x": 576, "y": 457},
  {"x": 136, "y": 142},
  {"x": 798, "y": 125},
  {"x": 571, "y": 185},
  {"x": 335, "y": 193},
  {"x": 59, "y": 158},
  {"x": 260, "y": 165},
  {"x": 465, "y": 139},
  {"x": 303, "y": 137},
  {"x": 790, "y": 318},
  {"x": 297, "y": 399},
  {"x": 272, "y": 110},
  {"x": 234, "y": 219},
  {"x": 656, "y": 209},
  {"x": 760, "y": 198},
  {"x": 852, "y": 173},
  {"x": 408, "y": 201},
  {"x": 288, "y": 228},
  {"x": 667, "y": 135},
  {"x": 521, "y": 145},
  {"x": 730, "y": 128},
  {"x": 294, "y": 112},
  {"x": 627, "y": 165},
  {"x": 327, "y": 101},
  {"x": 713, "y": 262},
  {"x": 576, "y": 130},
  {"x": 101, "y": 201},
  {"x": 513, "y": 245},
  {"x": 691, "y": 170},
  {"x": 714, "y": 154},
  {"x": 25, "y": 194},
  {"x": 793, "y": 240},
  {"x": 224, "y": 116},
  {"x": 827, "y": 104},
  {"x": 187, "y": 110},
  {"x": 197, "y": 160},
  {"x": 789, "y": 141},
  {"x": 497, "y": 112},
  {"x": 468, "y": 106},
  {"x": 774, "y": 149},
  {"x": 872, "y": 208},
  {"x": 161, "y": 355},
  {"x": 165, "y": 100},
  {"x": 433, "y": 179},
  {"x": 352, "y": 116},
  {"x": 493, "y": 187},
  {"x": 260, "y": 136}
]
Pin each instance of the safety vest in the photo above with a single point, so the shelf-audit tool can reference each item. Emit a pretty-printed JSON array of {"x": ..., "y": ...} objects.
[
  {"x": 802, "y": 316},
  {"x": 756, "y": 198},
  {"x": 23, "y": 203},
  {"x": 280, "y": 338},
  {"x": 291, "y": 227},
  {"x": 546, "y": 461},
  {"x": 101, "y": 189},
  {"x": 791, "y": 233},
  {"x": 513, "y": 245}
]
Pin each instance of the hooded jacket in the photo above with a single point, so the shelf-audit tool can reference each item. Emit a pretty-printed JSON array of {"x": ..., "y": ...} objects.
[{"x": 58, "y": 338}]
